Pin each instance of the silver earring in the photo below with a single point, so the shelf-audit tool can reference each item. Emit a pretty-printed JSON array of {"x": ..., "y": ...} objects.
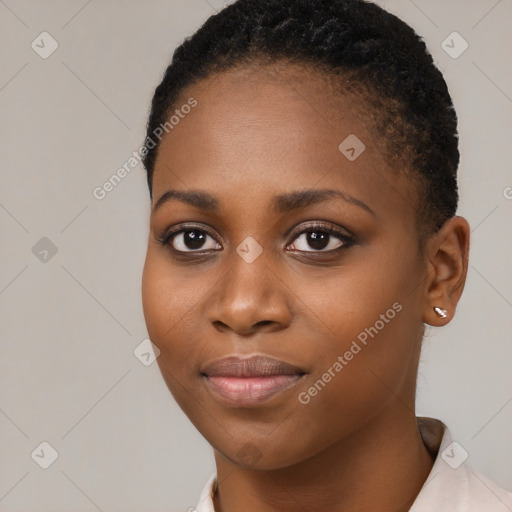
[{"x": 441, "y": 312}]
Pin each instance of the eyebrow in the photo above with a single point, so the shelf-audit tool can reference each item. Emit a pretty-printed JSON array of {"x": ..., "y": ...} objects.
[{"x": 282, "y": 203}]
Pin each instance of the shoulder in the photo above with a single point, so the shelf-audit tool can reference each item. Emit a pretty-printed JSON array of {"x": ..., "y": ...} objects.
[
  {"x": 461, "y": 490},
  {"x": 453, "y": 485},
  {"x": 486, "y": 494}
]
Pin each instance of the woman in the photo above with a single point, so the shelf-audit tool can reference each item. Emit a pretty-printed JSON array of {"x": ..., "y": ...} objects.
[{"x": 301, "y": 159}]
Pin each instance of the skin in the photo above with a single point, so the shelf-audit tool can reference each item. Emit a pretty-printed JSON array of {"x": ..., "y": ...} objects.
[{"x": 258, "y": 132}]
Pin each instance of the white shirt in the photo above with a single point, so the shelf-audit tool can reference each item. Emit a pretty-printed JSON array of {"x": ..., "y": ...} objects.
[{"x": 452, "y": 486}]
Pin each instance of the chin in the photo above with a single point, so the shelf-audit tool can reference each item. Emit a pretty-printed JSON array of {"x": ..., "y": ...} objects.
[{"x": 259, "y": 453}]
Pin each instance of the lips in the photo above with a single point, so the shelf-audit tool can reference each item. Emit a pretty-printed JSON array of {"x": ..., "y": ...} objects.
[
  {"x": 255, "y": 366},
  {"x": 248, "y": 381}
]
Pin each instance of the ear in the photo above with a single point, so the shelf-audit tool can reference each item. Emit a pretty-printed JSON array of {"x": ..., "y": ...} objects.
[{"x": 447, "y": 253}]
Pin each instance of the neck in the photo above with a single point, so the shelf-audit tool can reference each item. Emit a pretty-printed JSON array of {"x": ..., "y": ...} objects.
[{"x": 380, "y": 467}]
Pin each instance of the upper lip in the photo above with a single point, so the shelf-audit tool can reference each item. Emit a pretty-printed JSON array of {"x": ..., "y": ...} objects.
[{"x": 253, "y": 366}]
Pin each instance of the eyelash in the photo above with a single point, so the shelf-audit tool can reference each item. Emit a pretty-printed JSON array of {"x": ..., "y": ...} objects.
[{"x": 347, "y": 240}]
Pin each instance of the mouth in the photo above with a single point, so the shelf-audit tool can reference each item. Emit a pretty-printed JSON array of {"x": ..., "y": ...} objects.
[{"x": 247, "y": 381}]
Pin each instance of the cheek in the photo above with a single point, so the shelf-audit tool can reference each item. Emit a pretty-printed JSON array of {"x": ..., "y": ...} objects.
[
  {"x": 173, "y": 306},
  {"x": 347, "y": 300},
  {"x": 154, "y": 296},
  {"x": 372, "y": 376},
  {"x": 371, "y": 318},
  {"x": 167, "y": 311},
  {"x": 163, "y": 301}
]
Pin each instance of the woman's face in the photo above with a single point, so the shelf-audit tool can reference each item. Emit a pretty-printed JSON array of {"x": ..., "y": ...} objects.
[{"x": 248, "y": 271}]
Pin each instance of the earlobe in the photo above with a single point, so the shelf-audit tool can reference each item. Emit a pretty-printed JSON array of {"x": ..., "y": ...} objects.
[{"x": 448, "y": 253}]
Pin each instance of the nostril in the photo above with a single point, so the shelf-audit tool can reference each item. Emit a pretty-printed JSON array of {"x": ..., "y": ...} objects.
[
  {"x": 220, "y": 325},
  {"x": 264, "y": 322}
]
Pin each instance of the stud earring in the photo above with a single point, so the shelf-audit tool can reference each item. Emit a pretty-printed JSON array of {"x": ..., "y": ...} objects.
[{"x": 441, "y": 312}]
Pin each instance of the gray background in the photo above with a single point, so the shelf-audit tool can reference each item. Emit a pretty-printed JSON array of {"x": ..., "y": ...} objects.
[{"x": 70, "y": 323}]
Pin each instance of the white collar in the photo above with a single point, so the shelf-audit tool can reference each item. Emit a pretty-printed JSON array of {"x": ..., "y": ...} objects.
[{"x": 452, "y": 486}]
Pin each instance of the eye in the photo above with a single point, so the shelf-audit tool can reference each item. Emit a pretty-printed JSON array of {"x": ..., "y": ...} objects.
[
  {"x": 321, "y": 238},
  {"x": 191, "y": 239}
]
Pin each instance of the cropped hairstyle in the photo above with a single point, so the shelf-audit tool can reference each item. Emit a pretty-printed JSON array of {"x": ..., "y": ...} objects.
[{"x": 370, "y": 53}]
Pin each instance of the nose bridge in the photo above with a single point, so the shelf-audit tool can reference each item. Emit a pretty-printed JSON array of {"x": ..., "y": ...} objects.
[{"x": 249, "y": 293}]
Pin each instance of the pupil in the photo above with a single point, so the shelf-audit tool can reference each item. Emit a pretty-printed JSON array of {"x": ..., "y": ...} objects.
[
  {"x": 318, "y": 240},
  {"x": 194, "y": 239}
]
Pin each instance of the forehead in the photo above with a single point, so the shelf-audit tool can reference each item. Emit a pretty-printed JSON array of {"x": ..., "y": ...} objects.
[{"x": 276, "y": 127}]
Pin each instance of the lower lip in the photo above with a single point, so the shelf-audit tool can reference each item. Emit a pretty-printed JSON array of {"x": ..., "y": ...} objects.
[{"x": 249, "y": 391}]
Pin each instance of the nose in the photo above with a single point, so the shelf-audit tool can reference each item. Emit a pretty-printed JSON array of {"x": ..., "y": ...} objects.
[{"x": 250, "y": 298}]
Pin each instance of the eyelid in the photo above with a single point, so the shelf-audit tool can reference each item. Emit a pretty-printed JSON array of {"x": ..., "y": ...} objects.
[
  {"x": 168, "y": 233},
  {"x": 319, "y": 225},
  {"x": 346, "y": 238}
]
